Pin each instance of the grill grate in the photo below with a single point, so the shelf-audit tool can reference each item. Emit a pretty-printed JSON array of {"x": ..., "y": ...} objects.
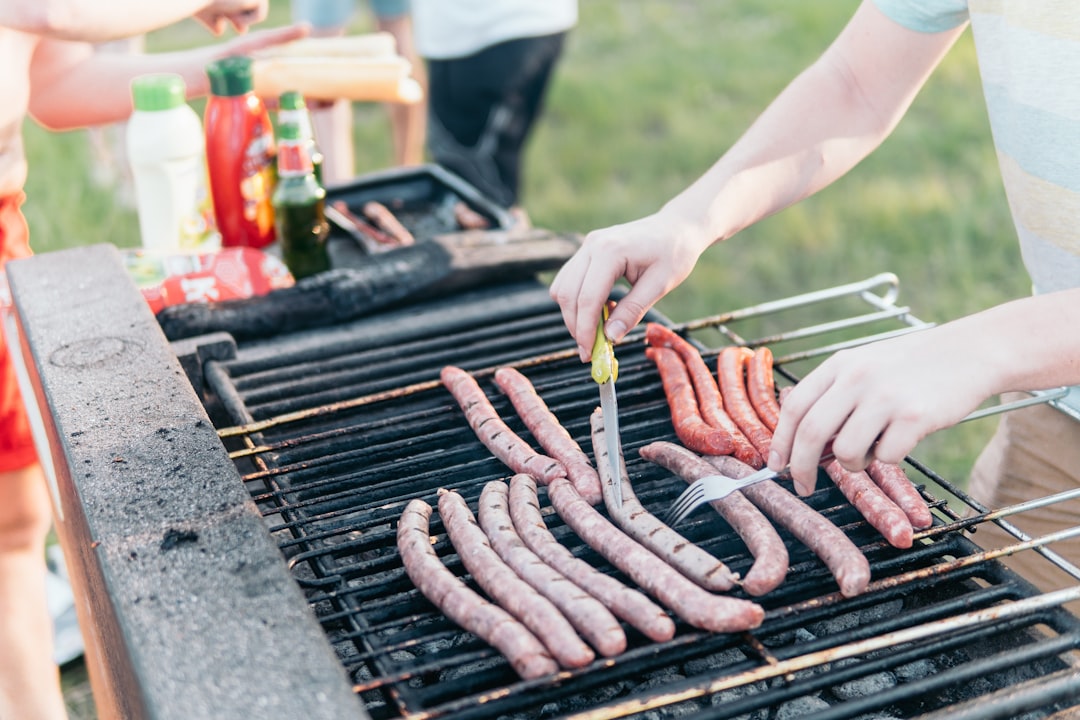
[{"x": 336, "y": 430}]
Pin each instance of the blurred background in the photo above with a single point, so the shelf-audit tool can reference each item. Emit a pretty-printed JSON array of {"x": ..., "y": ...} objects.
[{"x": 647, "y": 95}]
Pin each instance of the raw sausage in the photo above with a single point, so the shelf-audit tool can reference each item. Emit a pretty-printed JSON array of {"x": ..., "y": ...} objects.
[
  {"x": 550, "y": 433},
  {"x": 761, "y": 387},
  {"x": 385, "y": 220},
  {"x": 843, "y": 558},
  {"x": 526, "y": 654},
  {"x": 702, "y": 609},
  {"x": 468, "y": 218},
  {"x": 493, "y": 432},
  {"x": 691, "y": 429},
  {"x": 872, "y": 503},
  {"x": 686, "y": 557},
  {"x": 730, "y": 368},
  {"x": 895, "y": 483},
  {"x": 710, "y": 403},
  {"x": 591, "y": 619},
  {"x": 511, "y": 592},
  {"x": 770, "y": 556},
  {"x": 625, "y": 602}
]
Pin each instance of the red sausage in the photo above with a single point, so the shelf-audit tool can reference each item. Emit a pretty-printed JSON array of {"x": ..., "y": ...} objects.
[
  {"x": 689, "y": 426},
  {"x": 770, "y": 556},
  {"x": 591, "y": 619},
  {"x": 700, "y": 608},
  {"x": 493, "y": 432},
  {"x": 511, "y": 592},
  {"x": 761, "y": 387},
  {"x": 625, "y": 602},
  {"x": 386, "y": 221},
  {"x": 874, "y": 505},
  {"x": 843, "y": 558},
  {"x": 710, "y": 403},
  {"x": 895, "y": 483},
  {"x": 526, "y": 654},
  {"x": 686, "y": 557},
  {"x": 550, "y": 433},
  {"x": 730, "y": 368}
]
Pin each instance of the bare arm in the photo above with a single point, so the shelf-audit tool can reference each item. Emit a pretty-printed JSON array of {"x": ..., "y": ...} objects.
[
  {"x": 72, "y": 87},
  {"x": 900, "y": 390},
  {"x": 827, "y": 120},
  {"x": 101, "y": 20}
]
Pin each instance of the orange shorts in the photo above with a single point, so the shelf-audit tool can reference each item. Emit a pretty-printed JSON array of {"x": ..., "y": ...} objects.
[{"x": 16, "y": 444}]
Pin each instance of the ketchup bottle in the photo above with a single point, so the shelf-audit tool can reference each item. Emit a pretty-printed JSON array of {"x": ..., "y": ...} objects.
[{"x": 240, "y": 155}]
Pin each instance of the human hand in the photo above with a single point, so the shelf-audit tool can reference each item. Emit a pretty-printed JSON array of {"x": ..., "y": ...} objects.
[
  {"x": 258, "y": 40},
  {"x": 880, "y": 400},
  {"x": 241, "y": 14},
  {"x": 654, "y": 254}
]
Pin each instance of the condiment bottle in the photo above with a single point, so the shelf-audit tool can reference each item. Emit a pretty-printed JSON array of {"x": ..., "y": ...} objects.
[
  {"x": 292, "y": 109},
  {"x": 240, "y": 155},
  {"x": 165, "y": 144},
  {"x": 299, "y": 206}
]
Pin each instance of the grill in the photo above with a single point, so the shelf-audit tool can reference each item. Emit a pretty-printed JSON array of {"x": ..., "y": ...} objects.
[{"x": 328, "y": 433}]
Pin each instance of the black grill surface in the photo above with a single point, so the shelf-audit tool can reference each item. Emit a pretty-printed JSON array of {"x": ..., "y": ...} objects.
[{"x": 336, "y": 430}]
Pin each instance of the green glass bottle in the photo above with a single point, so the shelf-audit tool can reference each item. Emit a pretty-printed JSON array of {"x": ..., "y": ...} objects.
[
  {"x": 299, "y": 206},
  {"x": 292, "y": 110}
]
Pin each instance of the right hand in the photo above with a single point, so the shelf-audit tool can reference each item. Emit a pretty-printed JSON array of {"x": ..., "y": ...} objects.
[
  {"x": 241, "y": 14},
  {"x": 654, "y": 254}
]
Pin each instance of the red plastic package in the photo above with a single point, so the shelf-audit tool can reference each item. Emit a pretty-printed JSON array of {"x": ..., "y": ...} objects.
[{"x": 229, "y": 274}]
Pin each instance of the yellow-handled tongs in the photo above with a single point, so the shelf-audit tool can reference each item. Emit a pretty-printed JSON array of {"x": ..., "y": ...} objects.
[{"x": 605, "y": 370}]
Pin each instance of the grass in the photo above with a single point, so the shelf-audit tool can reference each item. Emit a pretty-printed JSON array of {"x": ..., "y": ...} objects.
[{"x": 647, "y": 96}]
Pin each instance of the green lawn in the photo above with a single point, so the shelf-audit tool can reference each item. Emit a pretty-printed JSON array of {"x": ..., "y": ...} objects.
[{"x": 648, "y": 95}]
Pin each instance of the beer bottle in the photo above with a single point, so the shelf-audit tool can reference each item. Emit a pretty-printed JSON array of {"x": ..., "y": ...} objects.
[
  {"x": 299, "y": 206},
  {"x": 292, "y": 110}
]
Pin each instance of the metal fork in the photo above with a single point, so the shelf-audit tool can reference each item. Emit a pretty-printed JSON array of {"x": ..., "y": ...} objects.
[{"x": 717, "y": 487}]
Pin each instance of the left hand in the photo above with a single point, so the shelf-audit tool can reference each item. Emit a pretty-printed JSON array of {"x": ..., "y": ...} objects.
[{"x": 251, "y": 42}]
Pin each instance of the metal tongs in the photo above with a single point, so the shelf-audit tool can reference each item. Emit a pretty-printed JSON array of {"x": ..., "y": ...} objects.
[{"x": 605, "y": 370}]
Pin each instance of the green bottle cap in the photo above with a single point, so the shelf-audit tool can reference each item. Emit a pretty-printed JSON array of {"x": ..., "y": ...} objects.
[
  {"x": 289, "y": 131},
  {"x": 231, "y": 76},
  {"x": 158, "y": 91},
  {"x": 291, "y": 100}
]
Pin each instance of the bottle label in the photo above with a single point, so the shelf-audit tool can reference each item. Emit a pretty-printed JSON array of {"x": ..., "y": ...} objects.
[{"x": 257, "y": 180}]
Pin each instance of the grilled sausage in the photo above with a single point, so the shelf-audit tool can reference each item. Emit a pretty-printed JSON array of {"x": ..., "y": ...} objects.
[
  {"x": 625, "y": 602},
  {"x": 591, "y": 619},
  {"x": 550, "y": 433},
  {"x": 691, "y": 429},
  {"x": 702, "y": 609},
  {"x": 385, "y": 220},
  {"x": 895, "y": 483},
  {"x": 468, "y": 218},
  {"x": 710, "y": 403},
  {"x": 493, "y": 432},
  {"x": 511, "y": 592},
  {"x": 770, "y": 556},
  {"x": 872, "y": 503},
  {"x": 731, "y": 370},
  {"x": 637, "y": 522},
  {"x": 843, "y": 558},
  {"x": 761, "y": 387},
  {"x": 526, "y": 654}
]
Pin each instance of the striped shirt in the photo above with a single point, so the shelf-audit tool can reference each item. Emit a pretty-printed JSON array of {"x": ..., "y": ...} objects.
[{"x": 1029, "y": 58}]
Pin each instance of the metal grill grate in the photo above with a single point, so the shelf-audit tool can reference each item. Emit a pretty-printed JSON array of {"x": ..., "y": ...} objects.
[{"x": 336, "y": 430}]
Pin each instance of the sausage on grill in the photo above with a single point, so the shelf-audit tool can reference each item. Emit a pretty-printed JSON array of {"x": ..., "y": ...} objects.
[
  {"x": 504, "y": 586},
  {"x": 761, "y": 387},
  {"x": 468, "y": 218},
  {"x": 710, "y": 403},
  {"x": 843, "y": 558},
  {"x": 591, "y": 619},
  {"x": 731, "y": 370},
  {"x": 698, "y": 607},
  {"x": 872, "y": 503},
  {"x": 549, "y": 432},
  {"x": 623, "y": 601},
  {"x": 895, "y": 483},
  {"x": 385, "y": 220},
  {"x": 770, "y": 556},
  {"x": 493, "y": 432},
  {"x": 526, "y": 654},
  {"x": 695, "y": 563},
  {"x": 690, "y": 427}
]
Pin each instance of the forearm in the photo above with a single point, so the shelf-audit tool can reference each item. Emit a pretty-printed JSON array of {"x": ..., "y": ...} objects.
[{"x": 95, "y": 20}]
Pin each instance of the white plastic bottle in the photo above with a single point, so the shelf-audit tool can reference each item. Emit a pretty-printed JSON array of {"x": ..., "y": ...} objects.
[{"x": 168, "y": 162}]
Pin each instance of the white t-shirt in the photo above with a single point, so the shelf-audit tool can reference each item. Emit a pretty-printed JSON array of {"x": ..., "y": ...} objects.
[{"x": 448, "y": 29}]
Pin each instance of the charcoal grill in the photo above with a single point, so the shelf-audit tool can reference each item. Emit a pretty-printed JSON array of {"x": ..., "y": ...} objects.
[{"x": 327, "y": 434}]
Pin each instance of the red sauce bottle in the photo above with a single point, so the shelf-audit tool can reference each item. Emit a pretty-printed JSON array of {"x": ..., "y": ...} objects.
[{"x": 240, "y": 155}]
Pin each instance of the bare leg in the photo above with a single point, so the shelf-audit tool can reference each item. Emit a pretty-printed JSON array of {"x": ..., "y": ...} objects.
[
  {"x": 29, "y": 679},
  {"x": 408, "y": 122}
]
